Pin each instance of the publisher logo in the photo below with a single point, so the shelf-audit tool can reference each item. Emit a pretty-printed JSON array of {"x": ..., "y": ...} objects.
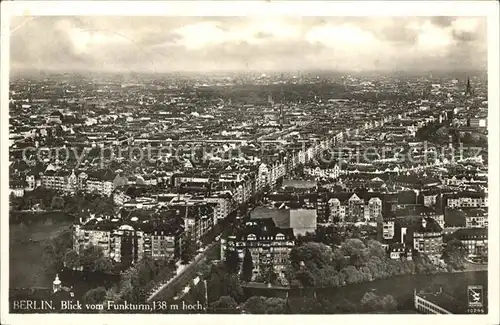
[{"x": 475, "y": 295}]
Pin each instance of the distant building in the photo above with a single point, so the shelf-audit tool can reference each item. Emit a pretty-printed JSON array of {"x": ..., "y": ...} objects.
[
  {"x": 198, "y": 217},
  {"x": 428, "y": 237},
  {"x": 475, "y": 240},
  {"x": 60, "y": 180},
  {"x": 333, "y": 173},
  {"x": 299, "y": 185},
  {"x": 303, "y": 221},
  {"x": 31, "y": 182},
  {"x": 129, "y": 242},
  {"x": 388, "y": 228},
  {"x": 438, "y": 217},
  {"x": 475, "y": 122},
  {"x": 436, "y": 303},
  {"x": 400, "y": 251},
  {"x": 55, "y": 117},
  {"x": 430, "y": 199},
  {"x": 467, "y": 200},
  {"x": 17, "y": 187},
  {"x": 476, "y": 218},
  {"x": 120, "y": 196},
  {"x": 100, "y": 182},
  {"x": 299, "y": 220},
  {"x": 349, "y": 207}
]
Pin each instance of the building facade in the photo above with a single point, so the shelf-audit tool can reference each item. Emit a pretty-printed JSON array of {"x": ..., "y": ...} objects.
[
  {"x": 475, "y": 240},
  {"x": 429, "y": 303},
  {"x": 132, "y": 241},
  {"x": 428, "y": 237},
  {"x": 269, "y": 245}
]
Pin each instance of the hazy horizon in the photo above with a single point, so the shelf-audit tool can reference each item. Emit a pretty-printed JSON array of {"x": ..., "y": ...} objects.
[{"x": 253, "y": 44}]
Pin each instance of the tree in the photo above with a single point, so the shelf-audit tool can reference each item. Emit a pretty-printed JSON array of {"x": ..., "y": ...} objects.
[
  {"x": 377, "y": 267},
  {"x": 311, "y": 305},
  {"x": 327, "y": 277},
  {"x": 345, "y": 307},
  {"x": 357, "y": 251},
  {"x": 232, "y": 261},
  {"x": 94, "y": 296},
  {"x": 468, "y": 138},
  {"x": 454, "y": 254},
  {"x": 188, "y": 250},
  {"x": 372, "y": 302},
  {"x": 16, "y": 203},
  {"x": 328, "y": 236},
  {"x": 56, "y": 249},
  {"x": 232, "y": 287},
  {"x": 423, "y": 264},
  {"x": 214, "y": 287},
  {"x": 104, "y": 265},
  {"x": 375, "y": 249},
  {"x": 306, "y": 278},
  {"x": 255, "y": 305},
  {"x": 198, "y": 292},
  {"x": 137, "y": 281},
  {"x": 89, "y": 256},
  {"x": 338, "y": 259},
  {"x": 71, "y": 259},
  {"x": 225, "y": 305},
  {"x": 247, "y": 271},
  {"x": 352, "y": 275},
  {"x": 313, "y": 255},
  {"x": 205, "y": 269},
  {"x": 222, "y": 283},
  {"x": 388, "y": 304},
  {"x": 275, "y": 305},
  {"x": 57, "y": 203},
  {"x": 262, "y": 305}
]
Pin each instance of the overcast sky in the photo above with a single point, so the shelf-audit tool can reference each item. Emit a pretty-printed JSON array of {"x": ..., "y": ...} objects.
[{"x": 165, "y": 44}]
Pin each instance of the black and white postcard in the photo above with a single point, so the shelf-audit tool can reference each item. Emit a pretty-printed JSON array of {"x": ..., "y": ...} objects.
[{"x": 199, "y": 159}]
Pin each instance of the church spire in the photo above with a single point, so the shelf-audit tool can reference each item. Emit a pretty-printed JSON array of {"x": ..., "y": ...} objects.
[{"x": 468, "y": 90}]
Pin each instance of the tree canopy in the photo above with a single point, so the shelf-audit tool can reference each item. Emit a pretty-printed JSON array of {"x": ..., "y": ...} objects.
[
  {"x": 317, "y": 265},
  {"x": 371, "y": 302},
  {"x": 454, "y": 254},
  {"x": 221, "y": 282},
  {"x": 224, "y": 305},
  {"x": 247, "y": 266},
  {"x": 263, "y": 305},
  {"x": 95, "y": 296}
]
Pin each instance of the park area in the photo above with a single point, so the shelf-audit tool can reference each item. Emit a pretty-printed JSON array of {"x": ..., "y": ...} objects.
[{"x": 27, "y": 266}]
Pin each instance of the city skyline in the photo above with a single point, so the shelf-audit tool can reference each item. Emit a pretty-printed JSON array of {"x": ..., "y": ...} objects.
[{"x": 161, "y": 44}]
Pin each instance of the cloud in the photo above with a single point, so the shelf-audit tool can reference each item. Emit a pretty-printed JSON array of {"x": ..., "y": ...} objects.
[
  {"x": 256, "y": 43},
  {"x": 442, "y": 21}
]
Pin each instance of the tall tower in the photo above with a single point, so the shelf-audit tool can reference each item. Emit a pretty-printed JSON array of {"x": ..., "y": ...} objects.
[
  {"x": 468, "y": 89},
  {"x": 282, "y": 116}
]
